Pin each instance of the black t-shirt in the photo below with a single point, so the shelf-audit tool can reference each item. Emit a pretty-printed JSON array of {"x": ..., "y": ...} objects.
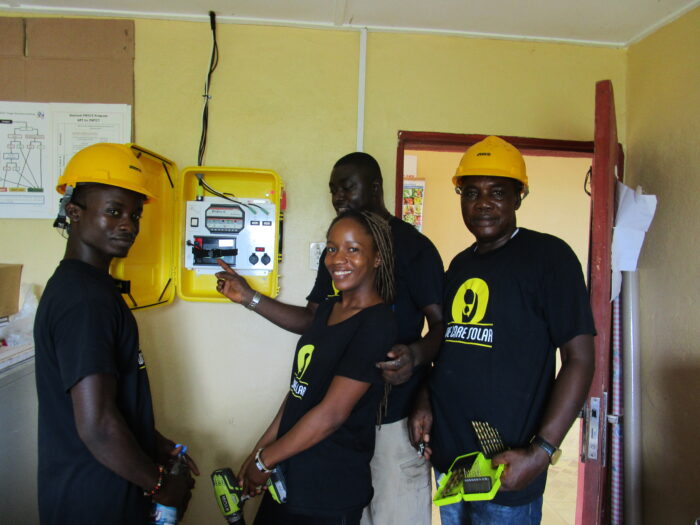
[
  {"x": 333, "y": 476},
  {"x": 83, "y": 327},
  {"x": 419, "y": 277},
  {"x": 507, "y": 311}
]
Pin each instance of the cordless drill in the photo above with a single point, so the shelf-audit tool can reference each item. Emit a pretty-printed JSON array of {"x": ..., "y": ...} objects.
[{"x": 229, "y": 495}]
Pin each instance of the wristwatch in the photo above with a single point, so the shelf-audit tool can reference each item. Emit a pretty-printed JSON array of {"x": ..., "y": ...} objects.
[
  {"x": 259, "y": 463},
  {"x": 254, "y": 301},
  {"x": 553, "y": 452}
]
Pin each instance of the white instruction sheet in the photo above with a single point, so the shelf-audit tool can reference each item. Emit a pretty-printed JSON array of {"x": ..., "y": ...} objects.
[{"x": 36, "y": 142}]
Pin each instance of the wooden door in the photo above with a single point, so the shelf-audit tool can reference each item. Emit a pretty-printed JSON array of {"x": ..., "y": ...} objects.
[
  {"x": 592, "y": 505},
  {"x": 593, "y": 486}
]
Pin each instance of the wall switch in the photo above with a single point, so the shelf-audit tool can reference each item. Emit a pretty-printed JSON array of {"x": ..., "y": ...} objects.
[{"x": 315, "y": 251}]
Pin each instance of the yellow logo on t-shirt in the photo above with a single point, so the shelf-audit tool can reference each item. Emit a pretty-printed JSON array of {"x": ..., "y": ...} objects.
[
  {"x": 298, "y": 387},
  {"x": 335, "y": 293},
  {"x": 469, "y": 307},
  {"x": 303, "y": 359},
  {"x": 470, "y": 301}
]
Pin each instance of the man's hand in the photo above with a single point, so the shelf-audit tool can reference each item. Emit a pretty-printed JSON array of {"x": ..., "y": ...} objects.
[
  {"x": 402, "y": 359},
  {"x": 420, "y": 421},
  {"x": 232, "y": 285},
  {"x": 176, "y": 491},
  {"x": 523, "y": 465},
  {"x": 177, "y": 488},
  {"x": 399, "y": 367},
  {"x": 166, "y": 450}
]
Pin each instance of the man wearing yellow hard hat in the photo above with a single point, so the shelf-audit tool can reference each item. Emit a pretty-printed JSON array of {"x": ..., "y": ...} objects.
[
  {"x": 511, "y": 299},
  {"x": 100, "y": 456}
]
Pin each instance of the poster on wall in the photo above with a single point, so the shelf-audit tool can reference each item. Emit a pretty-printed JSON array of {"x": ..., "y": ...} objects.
[
  {"x": 412, "y": 207},
  {"x": 36, "y": 142}
]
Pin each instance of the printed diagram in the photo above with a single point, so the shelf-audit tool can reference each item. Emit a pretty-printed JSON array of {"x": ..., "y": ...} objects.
[
  {"x": 36, "y": 141},
  {"x": 22, "y": 161}
]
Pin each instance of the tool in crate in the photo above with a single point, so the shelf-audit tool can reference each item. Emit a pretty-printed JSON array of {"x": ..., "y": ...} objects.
[{"x": 471, "y": 476}]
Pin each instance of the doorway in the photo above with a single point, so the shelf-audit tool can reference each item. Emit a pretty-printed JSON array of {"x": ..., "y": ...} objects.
[{"x": 558, "y": 204}]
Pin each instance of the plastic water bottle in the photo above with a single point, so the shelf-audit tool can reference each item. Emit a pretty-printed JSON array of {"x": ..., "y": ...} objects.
[{"x": 162, "y": 514}]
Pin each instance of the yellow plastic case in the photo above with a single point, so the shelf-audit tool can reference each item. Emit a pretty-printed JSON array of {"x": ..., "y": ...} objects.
[
  {"x": 451, "y": 487},
  {"x": 155, "y": 266}
]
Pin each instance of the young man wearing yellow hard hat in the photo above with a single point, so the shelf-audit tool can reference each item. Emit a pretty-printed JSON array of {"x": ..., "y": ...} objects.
[
  {"x": 511, "y": 299},
  {"x": 100, "y": 456}
]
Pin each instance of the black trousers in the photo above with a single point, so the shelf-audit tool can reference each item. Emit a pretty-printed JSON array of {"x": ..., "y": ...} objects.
[{"x": 272, "y": 513}]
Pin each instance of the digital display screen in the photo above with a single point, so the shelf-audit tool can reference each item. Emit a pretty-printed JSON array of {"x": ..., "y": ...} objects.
[{"x": 224, "y": 219}]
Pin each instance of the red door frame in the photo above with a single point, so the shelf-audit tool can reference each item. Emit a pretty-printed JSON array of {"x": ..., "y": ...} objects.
[{"x": 592, "y": 505}]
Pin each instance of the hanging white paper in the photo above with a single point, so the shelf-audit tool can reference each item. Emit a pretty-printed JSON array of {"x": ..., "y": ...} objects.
[{"x": 635, "y": 212}]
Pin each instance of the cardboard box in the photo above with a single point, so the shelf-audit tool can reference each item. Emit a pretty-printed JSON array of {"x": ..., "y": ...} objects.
[
  {"x": 79, "y": 38},
  {"x": 105, "y": 81},
  {"x": 12, "y": 68},
  {"x": 11, "y": 37},
  {"x": 10, "y": 276},
  {"x": 67, "y": 60}
]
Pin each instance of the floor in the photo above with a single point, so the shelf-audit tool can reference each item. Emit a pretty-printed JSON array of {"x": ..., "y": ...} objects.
[{"x": 559, "y": 506}]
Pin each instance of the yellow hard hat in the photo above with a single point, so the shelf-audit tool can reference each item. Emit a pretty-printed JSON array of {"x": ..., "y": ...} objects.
[
  {"x": 492, "y": 157},
  {"x": 110, "y": 164}
]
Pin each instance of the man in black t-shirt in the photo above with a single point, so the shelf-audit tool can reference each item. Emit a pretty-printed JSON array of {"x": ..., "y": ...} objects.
[
  {"x": 100, "y": 456},
  {"x": 511, "y": 299},
  {"x": 401, "y": 480}
]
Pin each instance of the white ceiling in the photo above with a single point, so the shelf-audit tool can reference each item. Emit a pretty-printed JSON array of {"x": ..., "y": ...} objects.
[{"x": 595, "y": 22}]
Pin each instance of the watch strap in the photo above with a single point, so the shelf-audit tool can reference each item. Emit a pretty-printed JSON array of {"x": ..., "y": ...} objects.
[
  {"x": 254, "y": 301},
  {"x": 259, "y": 462},
  {"x": 544, "y": 445}
]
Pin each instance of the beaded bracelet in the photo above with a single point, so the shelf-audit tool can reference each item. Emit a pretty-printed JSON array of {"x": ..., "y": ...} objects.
[{"x": 159, "y": 484}]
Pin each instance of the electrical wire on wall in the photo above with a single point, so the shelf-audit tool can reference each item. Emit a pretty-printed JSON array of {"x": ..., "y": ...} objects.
[
  {"x": 250, "y": 206},
  {"x": 213, "y": 62}
]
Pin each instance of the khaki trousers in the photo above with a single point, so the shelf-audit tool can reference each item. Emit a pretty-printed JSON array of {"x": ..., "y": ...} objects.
[{"x": 401, "y": 480}]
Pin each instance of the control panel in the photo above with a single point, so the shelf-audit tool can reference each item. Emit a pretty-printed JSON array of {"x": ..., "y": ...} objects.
[{"x": 240, "y": 231}]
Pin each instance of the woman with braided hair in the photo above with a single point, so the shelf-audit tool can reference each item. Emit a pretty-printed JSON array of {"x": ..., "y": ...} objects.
[{"x": 322, "y": 438}]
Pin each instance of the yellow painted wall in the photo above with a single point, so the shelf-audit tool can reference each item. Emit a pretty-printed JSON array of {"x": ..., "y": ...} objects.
[
  {"x": 285, "y": 99},
  {"x": 462, "y": 85},
  {"x": 663, "y": 152}
]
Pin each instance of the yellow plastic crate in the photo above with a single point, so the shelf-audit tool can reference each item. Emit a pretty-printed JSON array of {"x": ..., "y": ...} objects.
[
  {"x": 471, "y": 477},
  {"x": 155, "y": 266},
  {"x": 248, "y": 183}
]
